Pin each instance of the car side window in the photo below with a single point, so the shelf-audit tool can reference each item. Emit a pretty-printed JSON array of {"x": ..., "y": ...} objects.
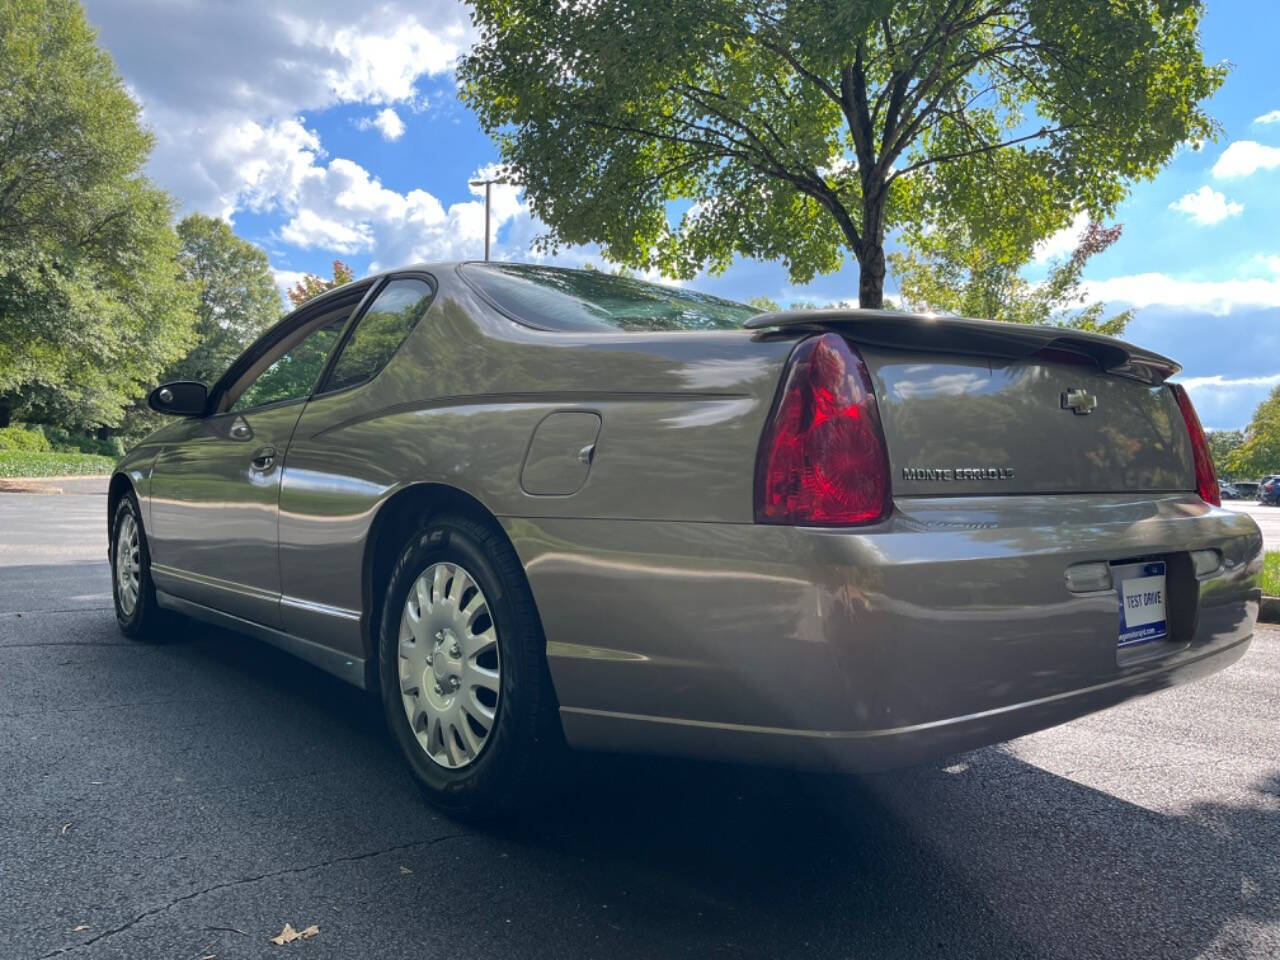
[
  {"x": 292, "y": 374},
  {"x": 378, "y": 334}
]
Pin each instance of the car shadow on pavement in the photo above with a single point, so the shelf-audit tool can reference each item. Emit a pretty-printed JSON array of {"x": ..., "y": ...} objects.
[
  {"x": 1014, "y": 862},
  {"x": 984, "y": 856}
]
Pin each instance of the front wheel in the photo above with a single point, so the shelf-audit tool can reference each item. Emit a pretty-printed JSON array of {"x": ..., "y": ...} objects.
[
  {"x": 137, "y": 613},
  {"x": 465, "y": 686}
]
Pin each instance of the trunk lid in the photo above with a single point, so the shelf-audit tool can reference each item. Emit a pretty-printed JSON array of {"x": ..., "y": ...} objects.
[{"x": 972, "y": 407}]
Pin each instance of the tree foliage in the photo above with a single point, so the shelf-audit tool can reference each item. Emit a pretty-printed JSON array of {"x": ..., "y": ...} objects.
[
  {"x": 949, "y": 273},
  {"x": 803, "y": 131},
  {"x": 312, "y": 285},
  {"x": 91, "y": 306},
  {"x": 1221, "y": 444},
  {"x": 1260, "y": 452},
  {"x": 236, "y": 294},
  {"x": 294, "y": 372}
]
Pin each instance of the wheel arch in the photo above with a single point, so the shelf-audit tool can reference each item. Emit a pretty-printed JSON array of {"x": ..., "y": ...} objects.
[
  {"x": 399, "y": 517},
  {"x": 120, "y": 486}
]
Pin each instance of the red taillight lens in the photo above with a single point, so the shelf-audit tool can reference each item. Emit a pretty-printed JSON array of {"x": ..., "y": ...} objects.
[
  {"x": 1206, "y": 478},
  {"x": 823, "y": 460}
]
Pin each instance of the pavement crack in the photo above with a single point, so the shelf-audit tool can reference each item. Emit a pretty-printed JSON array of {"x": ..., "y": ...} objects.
[
  {"x": 24, "y": 614},
  {"x": 225, "y": 885},
  {"x": 126, "y": 705},
  {"x": 69, "y": 643}
]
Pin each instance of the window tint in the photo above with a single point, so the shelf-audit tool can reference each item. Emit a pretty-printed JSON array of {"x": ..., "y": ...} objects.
[
  {"x": 380, "y": 332},
  {"x": 294, "y": 372},
  {"x": 559, "y": 299}
]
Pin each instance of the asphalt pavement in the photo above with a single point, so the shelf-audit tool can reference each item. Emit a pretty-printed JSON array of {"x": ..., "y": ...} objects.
[{"x": 186, "y": 800}]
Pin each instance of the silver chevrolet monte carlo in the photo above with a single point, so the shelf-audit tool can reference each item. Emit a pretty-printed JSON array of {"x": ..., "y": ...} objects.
[{"x": 535, "y": 507}]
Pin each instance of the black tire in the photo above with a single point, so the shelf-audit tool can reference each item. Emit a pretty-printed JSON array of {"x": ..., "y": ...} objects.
[
  {"x": 525, "y": 745},
  {"x": 146, "y": 620}
]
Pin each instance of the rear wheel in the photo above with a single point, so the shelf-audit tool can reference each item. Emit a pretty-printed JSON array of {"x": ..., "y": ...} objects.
[
  {"x": 463, "y": 671},
  {"x": 137, "y": 613}
]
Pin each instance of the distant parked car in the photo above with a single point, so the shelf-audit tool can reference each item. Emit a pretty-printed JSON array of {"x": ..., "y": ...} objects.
[
  {"x": 1247, "y": 489},
  {"x": 1228, "y": 491},
  {"x": 1269, "y": 490}
]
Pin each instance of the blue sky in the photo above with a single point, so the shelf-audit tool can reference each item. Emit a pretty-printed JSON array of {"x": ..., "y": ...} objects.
[{"x": 323, "y": 129}]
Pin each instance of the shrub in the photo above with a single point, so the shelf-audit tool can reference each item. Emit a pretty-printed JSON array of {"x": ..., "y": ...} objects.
[
  {"x": 1271, "y": 574},
  {"x": 27, "y": 463},
  {"x": 19, "y": 437},
  {"x": 64, "y": 441}
]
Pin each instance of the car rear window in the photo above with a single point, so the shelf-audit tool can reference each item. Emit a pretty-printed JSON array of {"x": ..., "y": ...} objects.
[{"x": 554, "y": 298}]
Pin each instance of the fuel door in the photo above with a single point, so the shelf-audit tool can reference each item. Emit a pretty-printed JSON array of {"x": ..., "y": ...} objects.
[{"x": 560, "y": 453}]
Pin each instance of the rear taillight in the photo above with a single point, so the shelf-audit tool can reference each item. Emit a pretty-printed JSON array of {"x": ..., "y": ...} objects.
[
  {"x": 822, "y": 460},
  {"x": 1206, "y": 479}
]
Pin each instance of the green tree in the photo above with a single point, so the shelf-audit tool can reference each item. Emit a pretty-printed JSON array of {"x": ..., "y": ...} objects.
[
  {"x": 312, "y": 284},
  {"x": 91, "y": 304},
  {"x": 1260, "y": 452},
  {"x": 949, "y": 273},
  {"x": 803, "y": 131},
  {"x": 1221, "y": 444},
  {"x": 237, "y": 296}
]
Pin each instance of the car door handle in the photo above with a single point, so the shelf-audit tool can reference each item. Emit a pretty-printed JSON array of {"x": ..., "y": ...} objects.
[{"x": 263, "y": 458}]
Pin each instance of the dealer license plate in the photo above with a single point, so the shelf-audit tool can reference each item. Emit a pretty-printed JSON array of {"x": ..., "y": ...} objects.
[{"x": 1141, "y": 589}]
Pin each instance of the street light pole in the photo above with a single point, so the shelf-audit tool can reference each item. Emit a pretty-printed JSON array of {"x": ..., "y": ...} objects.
[{"x": 488, "y": 186}]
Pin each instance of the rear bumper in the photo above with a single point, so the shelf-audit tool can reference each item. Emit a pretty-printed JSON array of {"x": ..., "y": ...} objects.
[{"x": 948, "y": 627}]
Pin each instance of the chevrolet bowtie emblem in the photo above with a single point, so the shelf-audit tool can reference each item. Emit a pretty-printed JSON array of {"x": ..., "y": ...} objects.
[{"x": 1079, "y": 402}]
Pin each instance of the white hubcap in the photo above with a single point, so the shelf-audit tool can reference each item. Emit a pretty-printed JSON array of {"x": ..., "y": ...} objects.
[
  {"x": 449, "y": 668},
  {"x": 128, "y": 565}
]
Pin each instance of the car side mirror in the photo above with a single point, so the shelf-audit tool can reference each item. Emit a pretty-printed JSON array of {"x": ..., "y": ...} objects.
[{"x": 182, "y": 398}]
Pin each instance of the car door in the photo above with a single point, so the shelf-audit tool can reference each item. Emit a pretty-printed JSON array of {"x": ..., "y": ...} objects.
[
  {"x": 338, "y": 472},
  {"x": 215, "y": 488}
]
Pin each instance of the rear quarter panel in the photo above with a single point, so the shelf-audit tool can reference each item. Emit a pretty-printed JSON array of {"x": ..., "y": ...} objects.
[{"x": 681, "y": 415}]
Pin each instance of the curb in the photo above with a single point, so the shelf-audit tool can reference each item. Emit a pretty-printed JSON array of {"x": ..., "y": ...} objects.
[
  {"x": 1269, "y": 610},
  {"x": 19, "y": 486}
]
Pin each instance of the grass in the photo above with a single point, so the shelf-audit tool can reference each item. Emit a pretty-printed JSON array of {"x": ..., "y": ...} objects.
[
  {"x": 1271, "y": 574},
  {"x": 27, "y": 463}
]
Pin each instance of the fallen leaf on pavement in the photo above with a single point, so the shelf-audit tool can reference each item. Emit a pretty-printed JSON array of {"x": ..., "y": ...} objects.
[
  {"x": 79, "y": 928},
  {"x": 65, "y": 828},
  {"x": 288, "y": 934},
  {"x": 405, "y": 870}
]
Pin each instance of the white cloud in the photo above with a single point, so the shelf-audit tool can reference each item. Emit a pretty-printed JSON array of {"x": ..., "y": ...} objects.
[
  {"x": 1217, "y": 297},
  {"x": 1272, "y": 116},
  {"x": 1227, "y": 403},
  {"x": 1064, "y": 242},
  {"x": 386, "y": 121},
  {"x": 257, "y": 163},
  {"x": 379, "y": 67},
  {"x": 340, "y": 207},
  {"x": 209, "y": 74},
  {"x": 1245, "y": 157},
  {"x": 309, "y": 229},
  {"x": 226, "y": 87},
  {"x": 1219, "y": 382},
  {"x": 286, "y": 279},
  {"x": 1207, "y": 206}
]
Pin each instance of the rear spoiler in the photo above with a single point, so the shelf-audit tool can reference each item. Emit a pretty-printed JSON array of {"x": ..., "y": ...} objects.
[{"x": 985, "y": 338}]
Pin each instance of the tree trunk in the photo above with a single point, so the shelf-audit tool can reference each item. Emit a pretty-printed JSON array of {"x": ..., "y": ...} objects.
[
  {"x": 871, "y": 249},
  {"x": 871, "y": 277}
]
